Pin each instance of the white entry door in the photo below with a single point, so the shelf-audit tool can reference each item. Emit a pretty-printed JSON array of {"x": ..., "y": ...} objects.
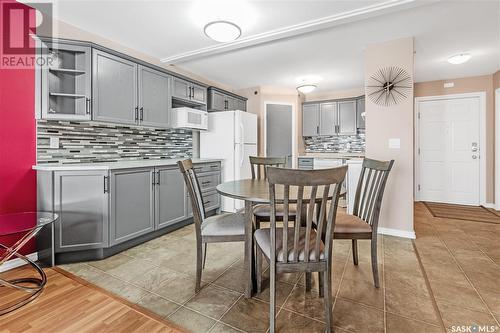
[{"x": 449, "y": 165}]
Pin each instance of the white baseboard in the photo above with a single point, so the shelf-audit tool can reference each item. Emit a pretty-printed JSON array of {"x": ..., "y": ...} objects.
[
  {"x": 489, "y": 205},
  {"x": 17, "y": 262},
  {"x": 397, "y": 232}
]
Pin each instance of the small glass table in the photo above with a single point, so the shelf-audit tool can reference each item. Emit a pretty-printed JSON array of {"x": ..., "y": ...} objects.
[{"x": 15, "y": 231}]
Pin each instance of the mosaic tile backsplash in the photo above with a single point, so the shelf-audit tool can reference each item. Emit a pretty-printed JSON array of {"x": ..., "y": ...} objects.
[
  {"x": 335, "y": 144},
  {"x": 90, "y": 142}
]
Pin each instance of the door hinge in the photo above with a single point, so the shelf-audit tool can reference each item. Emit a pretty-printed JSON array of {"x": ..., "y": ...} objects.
[
  {"x": 419, "y": 151},
  {"x": 418, "y": 115},
  {"x": 418, "y": 187}
]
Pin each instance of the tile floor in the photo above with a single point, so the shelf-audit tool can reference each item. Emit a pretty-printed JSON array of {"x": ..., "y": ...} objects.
[{"x": 448, "y": 276}]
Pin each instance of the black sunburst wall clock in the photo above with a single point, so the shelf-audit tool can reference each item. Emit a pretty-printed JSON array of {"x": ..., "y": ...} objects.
[{"x": 389, "y": 86}]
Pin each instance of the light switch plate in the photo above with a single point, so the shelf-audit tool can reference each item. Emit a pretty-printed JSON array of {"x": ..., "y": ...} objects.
[
  {"x": 394, "y": 143},
  {"x": 54, "y": 142},
  {"x": 448, "y": 84}
]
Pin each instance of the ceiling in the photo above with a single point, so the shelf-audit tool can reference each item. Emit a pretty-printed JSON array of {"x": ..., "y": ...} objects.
[{"x": 334, "y": 53}]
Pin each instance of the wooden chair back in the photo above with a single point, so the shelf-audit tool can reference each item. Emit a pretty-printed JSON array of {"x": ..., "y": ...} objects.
[
  {"x": 259, "y": 165},
  {"x": 194, "y": 190},
  {"x": 370, "y": 190},
  {"x": 323, "y": 186}
]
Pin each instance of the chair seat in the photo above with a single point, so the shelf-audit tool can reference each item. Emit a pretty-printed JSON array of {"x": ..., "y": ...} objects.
[
  {"x": 264, "y": 210},
  {"x": 263, "y": 240},
  {"x": 226, "y": 224},
  {"x": 350, "y": 224}
]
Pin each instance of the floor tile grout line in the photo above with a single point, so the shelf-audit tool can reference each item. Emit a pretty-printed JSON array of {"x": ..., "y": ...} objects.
[
  {"x": 429, "y": 288},
  {"x": 436, "y": 233},
  {"x": 469, "y": 280},
  {"x": 341, "y": 280}
]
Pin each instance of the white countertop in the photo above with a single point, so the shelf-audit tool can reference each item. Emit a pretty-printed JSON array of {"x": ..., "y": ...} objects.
[
  {"x": 114, "y": 165},
  {"x": 334, "y": 155}
]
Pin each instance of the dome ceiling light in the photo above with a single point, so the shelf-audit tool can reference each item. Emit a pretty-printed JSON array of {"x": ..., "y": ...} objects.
[
  {"x": 222, "y": 31},
  {"x": 458, "y": 59},
  {"x": 306, "y": 88}
]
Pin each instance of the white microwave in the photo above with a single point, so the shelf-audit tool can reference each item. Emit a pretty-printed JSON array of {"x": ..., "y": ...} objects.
[{"x": 189, "y": 118}]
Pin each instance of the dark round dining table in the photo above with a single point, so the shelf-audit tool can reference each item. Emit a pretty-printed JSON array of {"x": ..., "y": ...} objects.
[
  {"x": 256, "y": 191},
  {"x": 16, "y": 230}
]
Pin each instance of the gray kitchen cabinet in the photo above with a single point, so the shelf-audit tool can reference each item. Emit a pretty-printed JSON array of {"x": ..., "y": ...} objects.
[
  {"x": 216, "y": 101},
  {"x": 66, "y": 83},
  {"x": 114, "y": 88},
  {"x": 132, "y": 204},
  {"x": 310, "y": 119},
  {"x": 360, "y": 109},
  {"x": 181, "y": 89},
  {"x": 242, "y": 105},
  {"x": 347, "y": 117},
  {"x": 81, "y": 200},
  {"x": 170, "y": 195},
  {"x": 328, "y": 115},
  {"x": 220, "y": 101},
  {"x": 154, "y": 97},
  {"x": 199, "y": 94},
  {"x": 188, "y": 91}
]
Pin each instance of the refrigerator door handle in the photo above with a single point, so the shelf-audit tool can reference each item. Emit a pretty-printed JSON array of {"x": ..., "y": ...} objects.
[{"x": 242, "y": 137}]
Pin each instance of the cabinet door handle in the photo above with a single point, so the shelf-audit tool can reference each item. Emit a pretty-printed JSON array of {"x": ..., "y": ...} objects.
[
  {"x": 136, "y": 114},
  {"x": 317, "y": 129},
  {"x": 106, "y": 184},
  {"x": 158, "y": 178},
  {"x": 142, "y": 113},
  {"x": 87, "y": 106}
]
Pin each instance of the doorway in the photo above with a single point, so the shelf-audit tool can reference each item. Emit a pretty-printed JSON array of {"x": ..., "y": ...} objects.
[
  {"x": 450, "y": 149},
  {"x": 279, "y": 135}
]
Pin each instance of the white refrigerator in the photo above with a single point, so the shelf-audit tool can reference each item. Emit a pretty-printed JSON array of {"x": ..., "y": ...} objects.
[{"x": 232, "y": 137}]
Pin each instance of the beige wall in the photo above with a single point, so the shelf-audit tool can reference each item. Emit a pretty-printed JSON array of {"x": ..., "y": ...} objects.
[
  {"x": 68, "y": 31},
  {"x": 496, "y": 80},
  {"x": 384, "y": 123},
  {"x": 258, "y": 96},
  {"x": 467, "y": 85}
]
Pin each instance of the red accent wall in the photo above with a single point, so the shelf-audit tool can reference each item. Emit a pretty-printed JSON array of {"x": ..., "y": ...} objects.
[{"x": 17, "y": 141}]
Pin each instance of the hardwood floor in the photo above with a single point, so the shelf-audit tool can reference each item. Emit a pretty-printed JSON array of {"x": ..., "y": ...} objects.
[{"x": 69, "y": 304}]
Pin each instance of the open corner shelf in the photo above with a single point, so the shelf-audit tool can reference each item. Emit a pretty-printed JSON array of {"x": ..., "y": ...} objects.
[
  {"x": 67, "y": 95},
  {"x": 67, "y": 71}
]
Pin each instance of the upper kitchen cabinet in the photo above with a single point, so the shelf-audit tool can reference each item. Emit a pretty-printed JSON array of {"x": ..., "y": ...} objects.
[
  {"x": 360, "y": 110},
  {"x": 154, "y": 97},
  {"x": 328, "y": 115},
  {"x": 219, "y": 100},
  {"x": 188, "y": 92},
  {"x": 114, "y": 84},
  {"x": 310, "y": 119},
  {"x": 66, "y": 84},
  {"x": 329, "y": 118},
  {"x": 346, "y": 118}
]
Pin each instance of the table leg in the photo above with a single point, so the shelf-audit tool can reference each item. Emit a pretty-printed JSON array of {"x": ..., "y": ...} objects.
[{"x": 249, "y": 253}]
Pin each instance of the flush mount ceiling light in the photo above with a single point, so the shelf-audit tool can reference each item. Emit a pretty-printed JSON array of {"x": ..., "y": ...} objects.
[
  {"x": 306, "y": 88},
  {"x": 222, "y": 31},
  {"x": 458, "y": 59}
]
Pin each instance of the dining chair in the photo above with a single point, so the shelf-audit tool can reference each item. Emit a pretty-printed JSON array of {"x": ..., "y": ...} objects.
[
  {"x": 363, "y": 223},
  {"x": 298, "y": 246},
  {"x": 225, "y": 227},
  {"x": 259, "y": 165}
]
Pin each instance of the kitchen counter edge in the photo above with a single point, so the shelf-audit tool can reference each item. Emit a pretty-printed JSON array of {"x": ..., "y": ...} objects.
[{"x": 116, "y": 165}]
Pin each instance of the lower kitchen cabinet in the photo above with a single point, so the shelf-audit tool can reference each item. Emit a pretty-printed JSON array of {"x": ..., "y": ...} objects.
[
  {"x": 102, "y": 211},
  {"x": 170, "y": 197},
  {"x": 81, "y": 201},
  {"x": 132, "y": 204}
]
